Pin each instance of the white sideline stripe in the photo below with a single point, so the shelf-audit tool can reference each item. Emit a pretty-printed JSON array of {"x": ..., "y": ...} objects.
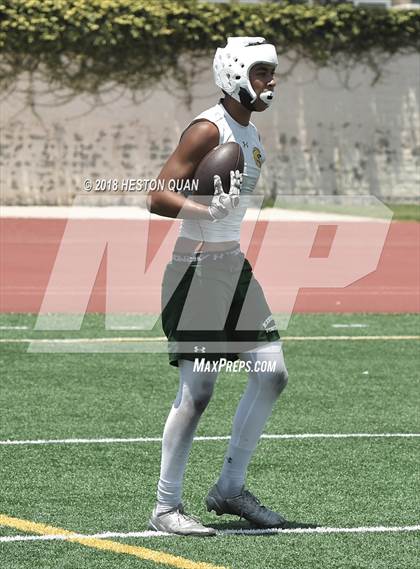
[
  {"x": 208, "y": 438},
  {"x": 144, "y": 534},
  {"x": 128, "y": 339},
  {"x": 349, "y": 325},
  {"x": 107, "y": 340},
  {"x": 14, "y": 327},
  {"x": 141, "y": 213}
]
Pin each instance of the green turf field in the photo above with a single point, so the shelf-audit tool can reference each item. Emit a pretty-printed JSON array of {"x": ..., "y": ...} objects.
[
  {"x": 400, "y": 211},
  {"x": 368, "y": 386}
]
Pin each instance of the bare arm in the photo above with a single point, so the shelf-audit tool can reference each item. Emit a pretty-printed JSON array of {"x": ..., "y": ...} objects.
[{"x": 196, "y": 142}]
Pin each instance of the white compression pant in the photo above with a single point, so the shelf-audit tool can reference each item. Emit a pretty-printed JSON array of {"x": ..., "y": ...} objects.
[{"x": 194, "y": 394}]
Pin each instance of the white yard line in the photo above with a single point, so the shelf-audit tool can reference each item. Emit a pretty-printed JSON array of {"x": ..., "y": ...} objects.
[
  {"x": 297, "y": 436},
  {"x": 105, "y": 340},
  {"x": 154, "y": 534},
  {"x": 127, "y": 339},
  {"x": 140, "y": 213},
  {"x": 349, "y": 325}
]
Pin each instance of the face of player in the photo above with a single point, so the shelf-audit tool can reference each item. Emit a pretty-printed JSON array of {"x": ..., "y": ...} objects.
[{"x": 261, "y": 77}]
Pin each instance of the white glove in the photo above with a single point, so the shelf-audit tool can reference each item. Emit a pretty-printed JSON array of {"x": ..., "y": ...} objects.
[{"x": 222, "y": 203}]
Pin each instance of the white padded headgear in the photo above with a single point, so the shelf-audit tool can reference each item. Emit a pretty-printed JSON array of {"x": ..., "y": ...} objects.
[{"x": 232, "y": 64}]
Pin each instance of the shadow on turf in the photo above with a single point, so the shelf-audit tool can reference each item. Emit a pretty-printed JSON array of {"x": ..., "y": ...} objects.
[{"x": 243, "y": 525}]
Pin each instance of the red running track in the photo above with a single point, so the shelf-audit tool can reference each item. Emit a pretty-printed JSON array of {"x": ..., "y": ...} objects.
[{"x": 296, "y": 263}]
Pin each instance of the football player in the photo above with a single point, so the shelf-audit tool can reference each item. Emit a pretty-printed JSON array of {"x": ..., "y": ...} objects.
[{"x": 210, "y": 286}]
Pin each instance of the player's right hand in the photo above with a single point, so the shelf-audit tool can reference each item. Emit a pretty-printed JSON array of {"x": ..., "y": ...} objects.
[{"x": 222, "y": 203}]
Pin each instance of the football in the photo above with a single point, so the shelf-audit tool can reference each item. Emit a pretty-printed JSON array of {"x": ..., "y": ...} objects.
[{"x": 221, "y": 160}]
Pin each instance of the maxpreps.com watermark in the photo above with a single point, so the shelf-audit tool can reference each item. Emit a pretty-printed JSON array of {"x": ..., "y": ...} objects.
[
  {"x": 138, "y": 185},
  {"x": 202, "y": 365}
]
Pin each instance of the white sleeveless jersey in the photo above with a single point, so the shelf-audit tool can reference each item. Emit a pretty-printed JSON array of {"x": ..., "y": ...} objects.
[{"x": 228, "y": 229}]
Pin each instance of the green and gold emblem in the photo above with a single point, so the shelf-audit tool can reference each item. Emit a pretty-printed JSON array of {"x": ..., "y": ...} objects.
[{"x": 256, "y": 153}]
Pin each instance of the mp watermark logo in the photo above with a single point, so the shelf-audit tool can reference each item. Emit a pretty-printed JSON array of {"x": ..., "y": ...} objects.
[{"x": 330, "y": 250}]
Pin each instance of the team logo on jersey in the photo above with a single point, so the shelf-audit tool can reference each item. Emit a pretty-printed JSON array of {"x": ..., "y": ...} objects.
[{"x": 256, "y": 153}]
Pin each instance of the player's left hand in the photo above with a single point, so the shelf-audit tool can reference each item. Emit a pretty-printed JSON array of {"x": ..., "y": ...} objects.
[
  {"x": 236, "y": 179},
  {"x": 222, "y": 202}
]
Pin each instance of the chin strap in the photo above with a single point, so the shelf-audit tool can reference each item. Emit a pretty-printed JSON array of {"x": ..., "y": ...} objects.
[{"x": 246, "y": 99}]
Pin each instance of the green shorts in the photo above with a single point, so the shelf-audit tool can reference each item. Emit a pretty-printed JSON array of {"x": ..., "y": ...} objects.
[{"x": 213, "y": 307}]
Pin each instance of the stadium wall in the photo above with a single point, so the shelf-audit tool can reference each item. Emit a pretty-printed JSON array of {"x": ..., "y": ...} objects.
[{"x": 329, "y": 133}]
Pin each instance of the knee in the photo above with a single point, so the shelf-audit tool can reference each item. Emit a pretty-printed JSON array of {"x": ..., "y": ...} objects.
[
  {"x": 195, "y": 390},
  {"x": 271, "y": 370},
  {"x": 282, "y": 379},
  {"x": 201, "y": 398},
  {"x": 195, "y": 396},
  {"x": 277, "y": 380}
]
